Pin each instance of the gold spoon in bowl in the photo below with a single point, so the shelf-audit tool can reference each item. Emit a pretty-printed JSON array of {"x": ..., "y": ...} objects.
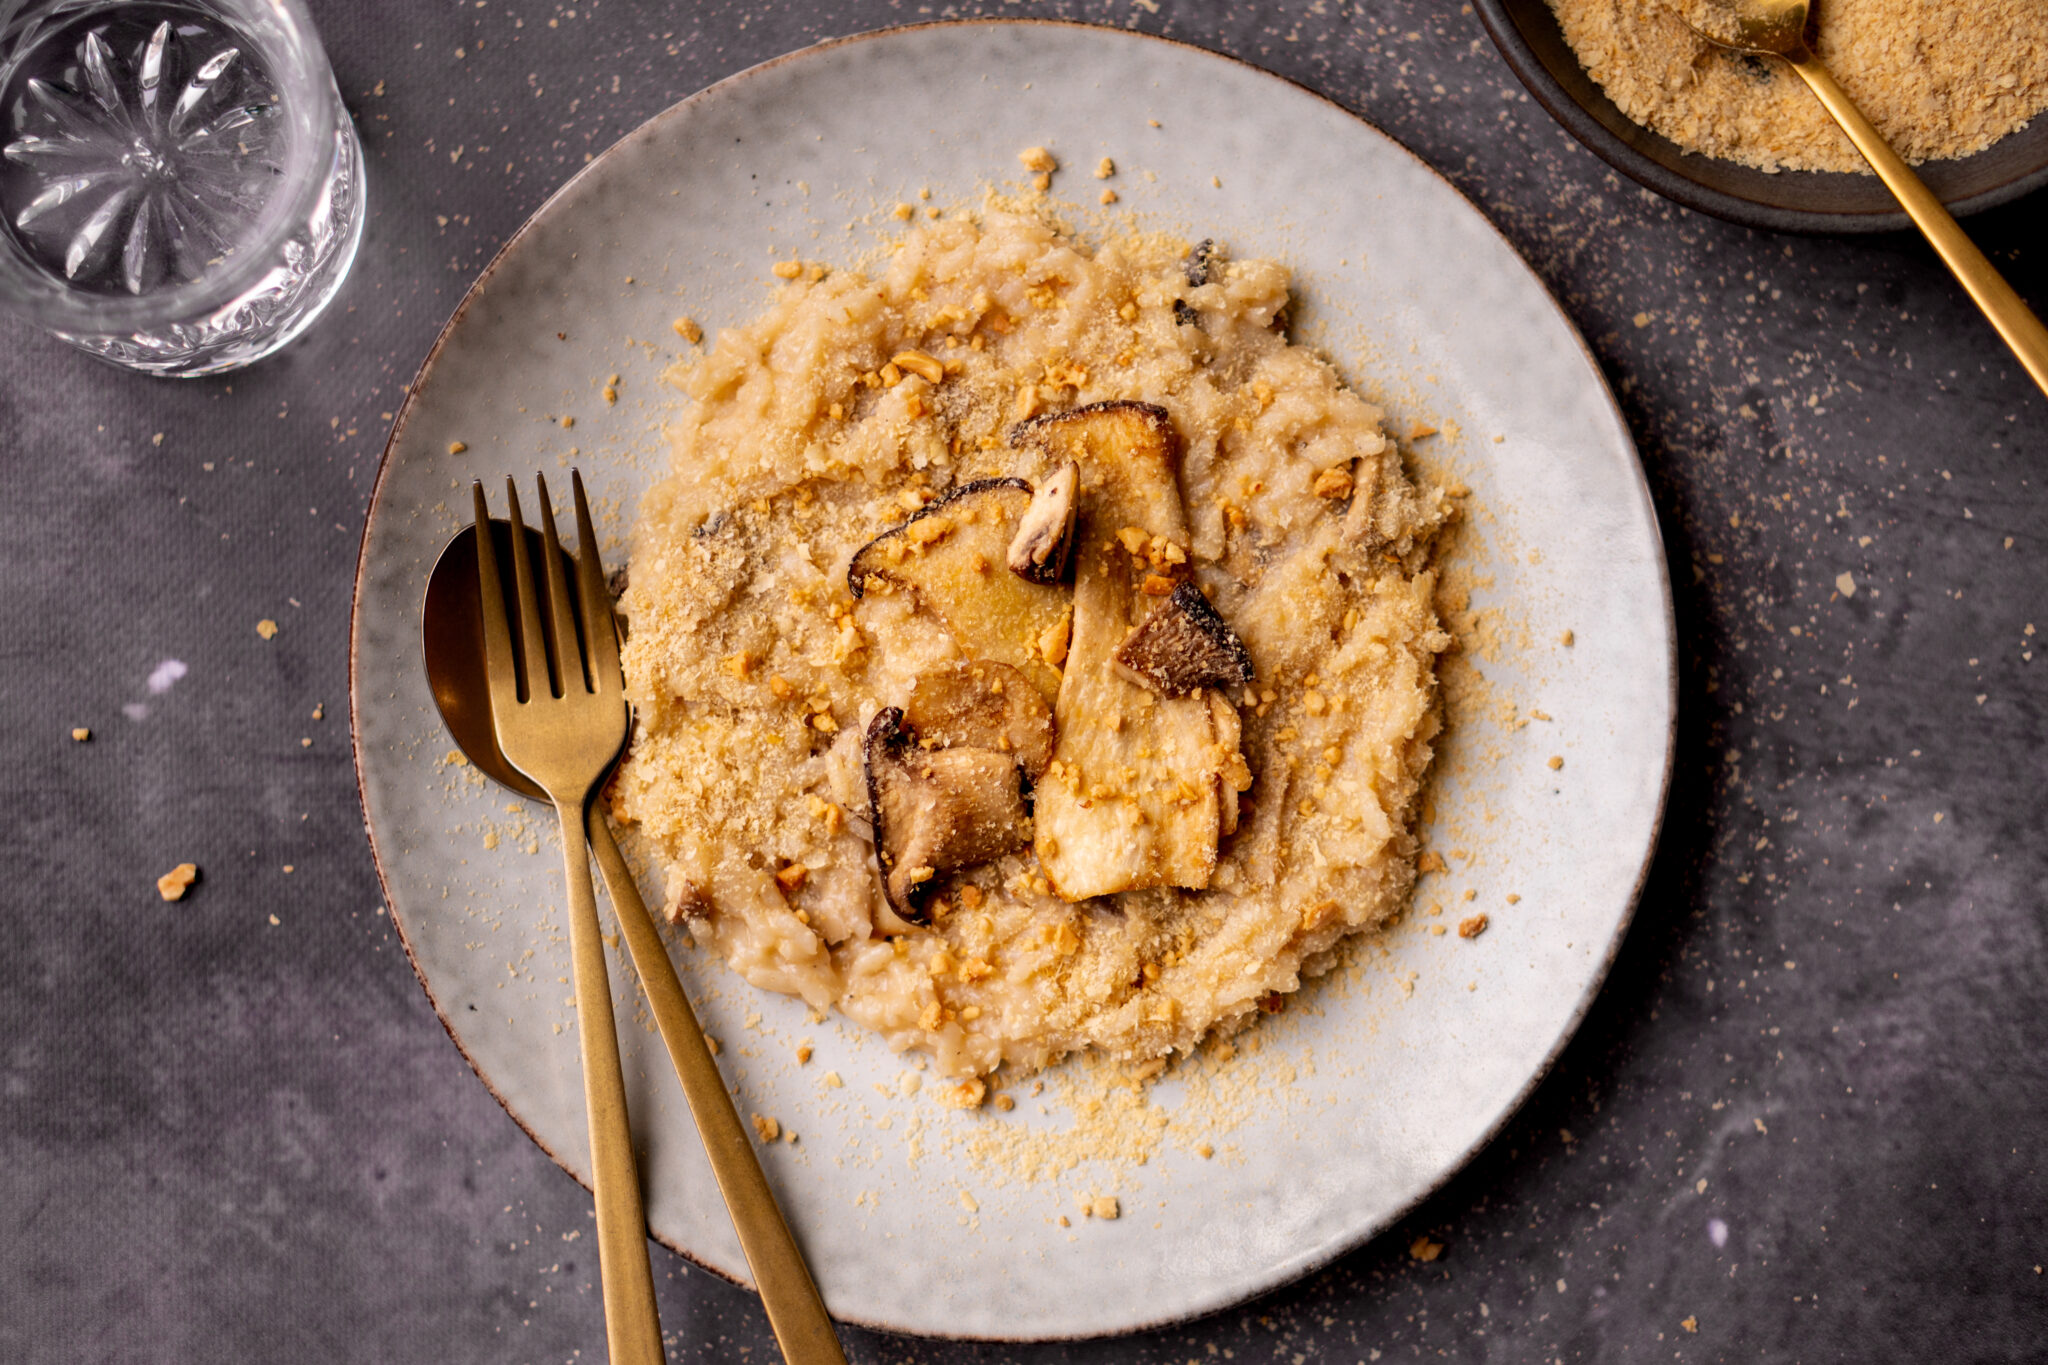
[
  {"x": 1777, "y": 28},
  {"x": 453, "y": 644}
]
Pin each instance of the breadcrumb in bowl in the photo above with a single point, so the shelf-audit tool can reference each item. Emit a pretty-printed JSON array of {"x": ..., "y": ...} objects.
[
  {"x": 1530, "y": 38},
  {"x": 828, "y": 541}
]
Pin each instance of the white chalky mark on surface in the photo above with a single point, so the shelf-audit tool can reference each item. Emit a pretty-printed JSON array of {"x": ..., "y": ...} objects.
[
  {"x": 136, "y": 710},
  {"x": 165, "y": 674},
  {"x": 1717, "y": 1232}
]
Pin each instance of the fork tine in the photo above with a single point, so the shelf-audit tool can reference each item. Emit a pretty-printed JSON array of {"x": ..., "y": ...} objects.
[
  {"x": 534, "y": 644},
  {"x": 499, "y": 669},
  {"x": 600, "y": 626},
  {"x": 567, "y": 655}
]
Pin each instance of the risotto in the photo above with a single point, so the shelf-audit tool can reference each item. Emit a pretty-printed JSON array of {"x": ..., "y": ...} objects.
[{"x": 1032, "y": 649}]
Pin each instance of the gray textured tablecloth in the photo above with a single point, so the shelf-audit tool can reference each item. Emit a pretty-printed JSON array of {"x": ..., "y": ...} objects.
[{"x": 228, "y": 1138}]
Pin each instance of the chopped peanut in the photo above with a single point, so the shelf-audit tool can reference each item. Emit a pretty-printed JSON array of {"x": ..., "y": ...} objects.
[
  {"x": 1038, "y": 159},
  {"x": 918, "y": 363},
  {"x": 1333, "y": 483}
]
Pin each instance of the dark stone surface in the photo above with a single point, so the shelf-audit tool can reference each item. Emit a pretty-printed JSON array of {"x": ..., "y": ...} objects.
[{"x": 224, "y": 1140}]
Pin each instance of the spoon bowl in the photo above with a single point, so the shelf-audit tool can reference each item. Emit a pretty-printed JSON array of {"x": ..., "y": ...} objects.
[
  {"x": 452, "y": 645},
  {"x": 1775, "y": 28}
]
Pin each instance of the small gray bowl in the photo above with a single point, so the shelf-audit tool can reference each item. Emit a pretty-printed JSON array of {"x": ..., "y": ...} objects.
[{"x": 1528, "y": 36}]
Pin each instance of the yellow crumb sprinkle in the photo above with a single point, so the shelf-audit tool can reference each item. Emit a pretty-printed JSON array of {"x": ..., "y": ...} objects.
[
  {"x": 267, "y": 628},
  {"x": 172, "y": 885},
  {"x": 1104, "y": 169},
  {"x": 688, "y": 330},
  {"x": 1556, "y": 762},
  {"x": 80, "y": 733},
  {"x": 787, "y": 270},
  {"x": 457, "y": 447},
  {"x": 1108, "y": 196},
  {"x": 1038, "y": 159}
]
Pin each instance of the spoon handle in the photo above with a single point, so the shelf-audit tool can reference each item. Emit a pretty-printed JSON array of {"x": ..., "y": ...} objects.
[
  {"x": 2006, "y": 310},
  {"x": 632, "y": 1327},
  {"x": 797, "y": 1314}
]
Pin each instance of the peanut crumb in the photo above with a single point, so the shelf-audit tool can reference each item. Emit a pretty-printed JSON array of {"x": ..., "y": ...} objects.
[
  {"x": 967, "y": 1095},
  {"x": 1556, "y": 761},
  {"x": 1472, "y": 927},
  {"x": 1104, "y": 169},
  {"x": 766, "y": 1128},
  {"x": 830, "y": 1080},
  {"x": 803, "y": 1054},
  {"x": 1514, "y": 898},
  {"x": 1689, "y": 1323},
  {"x": 173, "y": 884},
  {"x": 1422, "y": 1249},
  {"x": 1204, "y": 1150},
  {"x": 787, "y": 270},
  {"x": 1105, "y": 1207},
  {"x": 80, "y": 733},
  {"x": 792, "y": 878},
  {"x": 267, "y": 628},
  {"x": 457, "y": 447},
  {"x": 1107, "y": 197},
  {"x": 1038, "y": 159},
  {"x": 688, "y": 330},
  {"x": 1566, "y": 639},
  {"x": 903, "y": 213},
  {"x": 1332, "y": 483}
]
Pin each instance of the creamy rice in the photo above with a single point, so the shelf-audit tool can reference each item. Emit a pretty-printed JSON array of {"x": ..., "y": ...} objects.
[{"x": 755, "y": 673}]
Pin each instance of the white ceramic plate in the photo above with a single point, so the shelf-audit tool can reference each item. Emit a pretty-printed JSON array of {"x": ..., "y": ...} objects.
[{"x": 1380, "y": 1081}]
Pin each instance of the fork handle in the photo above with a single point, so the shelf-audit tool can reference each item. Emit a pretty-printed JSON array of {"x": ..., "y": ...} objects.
[
  {"x": 797, "y": 1314},
  {"x": 632, "y": 1326},
  {"x": 2007, "y": 312}
]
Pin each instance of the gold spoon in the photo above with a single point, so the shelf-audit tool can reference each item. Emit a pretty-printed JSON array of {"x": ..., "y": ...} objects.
[
  {"x": 1777, "y": 28},
  {"x": 452, "y": 636}
]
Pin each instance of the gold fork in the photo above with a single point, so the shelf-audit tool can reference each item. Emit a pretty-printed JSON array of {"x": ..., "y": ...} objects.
[
  {"x": 1777, "y": 28},
  {"x": 559, "y": 709}
]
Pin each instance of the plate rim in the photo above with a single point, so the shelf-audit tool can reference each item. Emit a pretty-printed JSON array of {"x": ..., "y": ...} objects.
[{"x": 1597, "y": 979}]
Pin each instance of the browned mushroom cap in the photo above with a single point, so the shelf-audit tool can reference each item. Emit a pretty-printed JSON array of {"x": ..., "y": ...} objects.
[
  {"x": 980, "y": 704},
  {"x": 936, "y": 810},
  {"x": 1045, "y": 535},
  {"x": 951, "y": 555},
  {"x": 1184, "y": 646}
]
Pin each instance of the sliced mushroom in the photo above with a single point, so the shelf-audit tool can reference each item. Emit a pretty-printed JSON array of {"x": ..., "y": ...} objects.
[
  {"x": 1045, "y": 536},
  {"x": 936, "y": 810},
  {"x": 1183, "y": 647},
  {"x": 980, "y": 704},
  {"x": 952, "y": 554},
  {"x": 1133, "y": 795}
]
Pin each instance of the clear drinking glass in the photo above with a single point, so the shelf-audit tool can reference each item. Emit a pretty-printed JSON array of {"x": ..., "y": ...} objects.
[{"x": 181, "y": 191}]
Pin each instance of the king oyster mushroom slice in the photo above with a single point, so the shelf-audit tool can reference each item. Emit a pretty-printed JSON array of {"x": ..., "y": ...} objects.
[
  {"x": 980, "y": 704},
  {"x": 1133, "y": 796},
  {"x": 1046, "y": 534},
  {"x": 1183, "y": 647},
  {"x": 936, "y": 810},
  {"x": 952, "y": 554}
]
